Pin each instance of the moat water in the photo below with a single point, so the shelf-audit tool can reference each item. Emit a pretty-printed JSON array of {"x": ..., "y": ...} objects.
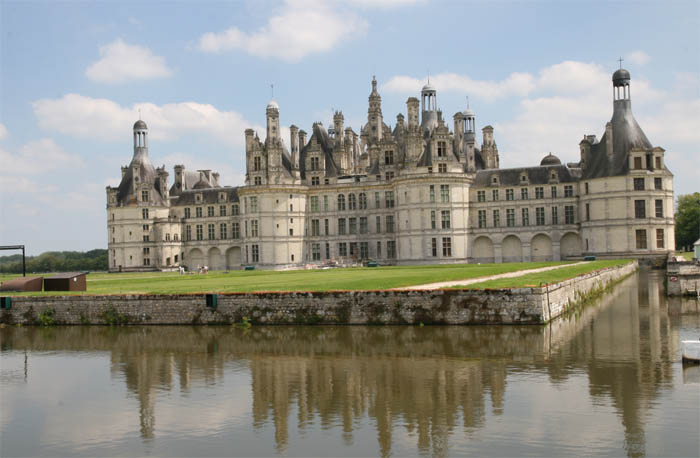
[{"x": 607, "y": 380}]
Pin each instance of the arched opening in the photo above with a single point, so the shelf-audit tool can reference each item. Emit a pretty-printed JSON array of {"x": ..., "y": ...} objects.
[
  {"x": 570, "y": 245},
  {"x": 195, "y": 259},
  {"x": 512, "y": 249},
  {"x": 541, "y": 248},
  {"x": 483, "y": 250},
  {"x": 214, "y": 259},
  {"x": 233, "y": 258}
]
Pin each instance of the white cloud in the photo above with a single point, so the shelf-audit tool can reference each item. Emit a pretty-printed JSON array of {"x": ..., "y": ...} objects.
[
  {"x": 518, "y": 84},
  {"x": 3, "y": 132},
  {"x": 384, "y": 4},
  {"x": 300, "y": 28},
  {"x": 638, "y": 58},
  {"x": 121, "y": 62},
  {"x": 104, "y": 119},
  {"x": 38, "y": 156}
]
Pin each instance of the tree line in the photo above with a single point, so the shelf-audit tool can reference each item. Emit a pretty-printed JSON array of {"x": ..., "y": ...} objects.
[
  {"x": 56, "y": 261},
  {"x": 687, "y": 221}
]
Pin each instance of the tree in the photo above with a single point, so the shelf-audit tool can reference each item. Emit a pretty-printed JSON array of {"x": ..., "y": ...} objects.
[{"x": 687, "y": 220}]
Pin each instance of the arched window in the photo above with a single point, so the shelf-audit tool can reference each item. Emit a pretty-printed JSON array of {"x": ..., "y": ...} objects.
[
  {"x": 341, "y": 202},
  {"x": 363, "y": 201},
  {"x": 352, "y": 202}
]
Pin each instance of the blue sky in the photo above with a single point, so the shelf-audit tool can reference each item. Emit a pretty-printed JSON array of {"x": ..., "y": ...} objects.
[{"x": 73, "y": 76}]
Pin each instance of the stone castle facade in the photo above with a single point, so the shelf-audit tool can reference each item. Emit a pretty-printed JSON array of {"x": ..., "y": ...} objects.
[{"x": 417, "y": 193}]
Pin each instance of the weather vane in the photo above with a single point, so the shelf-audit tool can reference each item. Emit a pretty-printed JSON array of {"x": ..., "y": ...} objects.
[
  {"x": 620, "y": 59},
  {"x": 272, "y": 90}
]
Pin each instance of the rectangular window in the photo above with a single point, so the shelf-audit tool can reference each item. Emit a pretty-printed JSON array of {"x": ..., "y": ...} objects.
[
  {"x": 352, "y": 202},
  {"x": 353, "y": 249},
  {"x": 510, "y": 217},
  {"x": 638, "y": 163},
  {"x": 481, "y": 196},
  {"x": 146, "y": 238},
  {"x": 146, "y": 262},
  {"x": 442, "y": 168},
  {"x": 639, "y": 209},
  {"x": 433, "y": 247},
  {"x": 433, "y": 222},
  {"x": 198, "y": 212},
  {"x": 441, "y": 149},
  {"x": 496, "y": 218},
  {"x": 444, "y": 193},
  {"x": 659, "y": 238},
  {"x": 446, "y": 247},
  {"x": 509, "y": 194},
  {"x": 210, "y": 211},
  {"x": 235, "y": 210},
  {"x": 144, "y": 213},
  {"x": 222, "y": 210},
  {"x": 328, "y": 250},
  {"x": 586, "y": 186},
  {"x": 641, "y": 237},
  {"x": 363, "y": 225},
  {"x": 389, "y": 199},
  {"x": 255, "y": 253},
  {"x": 568, "y": 191},
  {"x": 235, "y": 230},
  {"x": 144, "y": 196},
  {"x": 432, "y": 193},
  {"x": 539, "y": 216},
  {"x": 254, "y": 228},
  {"x": 326, "y": 229},
  {"x": 554, "y": 192},
  {"x": 315, "y": 228},
  {"x": 389, "y": 175},
  {"x": 325, "y": 203},
  {"x": 657, "y": 162},
  {"x": 145, "y": 227},
  {"x": 657, "y": 183},
  {"x": 341, "y": 202},
  {"x": 362, "y": 198},
  {"x": 223, "y": 231},
  {"x": 659, "y": 208},
  {"x": 445, "y": 219},
  {"x": 494, "y": 195},
  {"x": 379, "y": 249},
  {"x": 364, "y": 250},
  {"x": 315, "y": 163},
  {"x": 200, "y": 232},
  {"x": 187, "y": 213},
  {"x": 254, "y": 205},
  {"x": 379, "y": 224},
  {"x": 314, "y": 203},
  {"x": 377, "y": 201},
  {"x": 523, "y": 194},
  {"x": 555, "y": 215},
  {"x": 539, "y": 192},
  {"x": 482, "y": 218},
  {"x": 390, "y": 223},
  {"x": 188, "y": 232},
  {"x": 588, "y": 212},
  {"x": 342, "y": 249},
  {"x": 388, "y": 157},
  {"x": 341, "y": 226},
  {"x": 315, "y": 251},
  {"x": 146, "y": 250},
  {"x": 352, "y": 225},
  {"x": 569, "y": 215},
  {"x": 391, "y": 249},
  {"x": 639, "y": 184},
  {"x": 526, "y": 216},
  {"x": 210, "y": 232}
]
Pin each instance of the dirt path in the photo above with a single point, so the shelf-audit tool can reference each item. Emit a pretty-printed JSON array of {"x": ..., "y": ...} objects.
[{"x": 447, "y": 284}]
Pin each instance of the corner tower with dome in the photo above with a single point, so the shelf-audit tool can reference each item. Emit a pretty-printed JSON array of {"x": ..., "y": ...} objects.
[{"x": 420, "y": 192}]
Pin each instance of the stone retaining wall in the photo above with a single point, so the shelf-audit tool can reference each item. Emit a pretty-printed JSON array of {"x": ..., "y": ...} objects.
[
  {"x": 683, "y": 278},
  {"x": 448, "y": 306}
]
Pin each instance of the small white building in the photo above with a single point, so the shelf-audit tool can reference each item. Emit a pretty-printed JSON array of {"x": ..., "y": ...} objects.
[
  {"x": 696, "y": 249},
  {"x": 417, "y": 193}
]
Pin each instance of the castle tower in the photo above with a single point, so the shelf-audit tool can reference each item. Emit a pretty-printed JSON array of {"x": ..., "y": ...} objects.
[
  {"x": 470, "y": 139},
  {"x": 273, "y": 121},
  {"x": 375, "y": 122},
  {"x": 338, "y": 127},
  {"x": 412, "y": 108},
  {"x": 429, "y": 107},
  {"x": 489, "y": 150}
]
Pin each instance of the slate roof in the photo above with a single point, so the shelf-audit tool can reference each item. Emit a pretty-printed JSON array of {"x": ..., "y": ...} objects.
[
  {"x": 209, "y": 196},
  {"x": 326, "y": 144},
  {"x": 626, "y": 135},
  {"x": 535, "y": 175},
  {"x": 146, "y": 174}
]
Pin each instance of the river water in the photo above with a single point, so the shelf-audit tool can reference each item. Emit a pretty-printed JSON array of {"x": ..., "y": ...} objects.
[{"x": 607, "y": 380}]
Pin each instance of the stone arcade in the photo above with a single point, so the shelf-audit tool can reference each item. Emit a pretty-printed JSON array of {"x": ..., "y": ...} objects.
[{"x": 419, "y": 193}]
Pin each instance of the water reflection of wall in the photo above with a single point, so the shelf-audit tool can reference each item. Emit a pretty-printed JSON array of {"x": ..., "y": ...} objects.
[{"x": 434, "y": 381}]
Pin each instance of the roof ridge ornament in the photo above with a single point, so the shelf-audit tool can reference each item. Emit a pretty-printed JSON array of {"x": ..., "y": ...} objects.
[{"x": 620, "y": 59}]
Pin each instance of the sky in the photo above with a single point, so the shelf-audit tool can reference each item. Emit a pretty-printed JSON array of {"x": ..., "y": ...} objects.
[{"x": 75, "y": 76}]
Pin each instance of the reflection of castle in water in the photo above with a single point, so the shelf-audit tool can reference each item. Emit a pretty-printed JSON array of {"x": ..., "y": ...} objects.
[{"x": 435, "y": 382}]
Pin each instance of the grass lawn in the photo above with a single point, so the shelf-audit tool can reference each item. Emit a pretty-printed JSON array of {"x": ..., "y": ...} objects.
[
  {"x": 548, "y": 277},
  {"x": 688, "y": 255},
  {"x": 358, "y": 278}
]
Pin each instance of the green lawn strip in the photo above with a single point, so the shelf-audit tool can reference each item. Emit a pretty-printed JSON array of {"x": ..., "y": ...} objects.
[
  {"x": 688, "y": 255},
  {"x": 548, "y": 277},
  {"x": 359, "y": 278}
]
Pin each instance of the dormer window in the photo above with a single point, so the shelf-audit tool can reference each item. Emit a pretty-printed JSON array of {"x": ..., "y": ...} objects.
[
  {"x": 222, "y": 197},
  {"x": 198, "y": 198},
  {"x": 441, "y": 149},
  {"x": 523, "y": 178}
]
